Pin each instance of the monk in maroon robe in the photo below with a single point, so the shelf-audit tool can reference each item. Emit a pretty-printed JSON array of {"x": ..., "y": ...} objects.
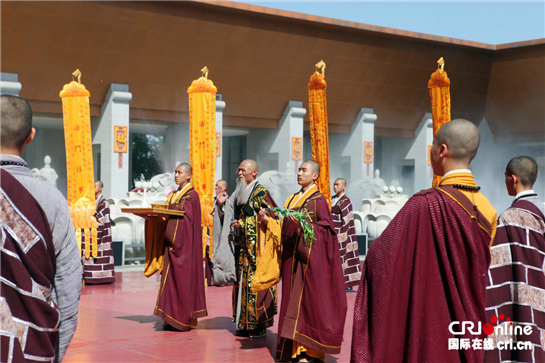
[
  {"x": 30, "y": 319},
  {"x": 181, "y": 298},
  {"x": 100, "y": 269},
  {"x": 516, "y": 282},
  {"x": 343, "y": 220},
  {"x": 313, "y": 308},
  {"x": 429, "y": 267}
]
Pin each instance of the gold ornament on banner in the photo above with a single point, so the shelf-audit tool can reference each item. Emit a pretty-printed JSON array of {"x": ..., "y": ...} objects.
[
  {"x": 319, "y": 134},
  {"x": 439, "y": 85},
  {"x": 79, "y": 163},
  {"x": 202, "y": 148}
]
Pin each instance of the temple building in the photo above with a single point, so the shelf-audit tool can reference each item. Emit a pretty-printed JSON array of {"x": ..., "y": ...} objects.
[{"x": 138, "y": 58}]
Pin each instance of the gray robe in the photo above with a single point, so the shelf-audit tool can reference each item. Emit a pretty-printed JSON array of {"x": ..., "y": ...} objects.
[{"x": 222, "y": 263}]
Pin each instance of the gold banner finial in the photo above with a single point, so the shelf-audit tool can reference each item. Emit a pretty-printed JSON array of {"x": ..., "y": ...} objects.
[
  {"x": 205, "y": 72},
  {"x": 321, "y": 65},
  {"x": 77, "y": 73},
  {"x": 441, "y": 64}
]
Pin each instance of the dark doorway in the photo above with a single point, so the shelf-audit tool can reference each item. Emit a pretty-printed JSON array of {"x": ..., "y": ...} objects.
[{"x": 234, "y": 151}]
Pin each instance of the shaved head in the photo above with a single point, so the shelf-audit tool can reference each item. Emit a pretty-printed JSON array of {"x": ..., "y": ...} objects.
[
  {"x": 188, "y": 169},
  {"x": 251, "y": 163},
  {"x": 222, "y": 182},
  {"x": 525, "y": 168},
  {"x": 314, "y": 166},
  {"x": 341, "y": 180},
  {"x": 101, "y": 184},
  {"x": 462, "y": 138},
  {"x": 16, "y": 121}
]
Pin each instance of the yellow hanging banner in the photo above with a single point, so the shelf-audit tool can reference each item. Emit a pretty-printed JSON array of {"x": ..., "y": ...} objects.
[
  {"x": 79, "y": 163},
  {"x": 439, "y": 85},
  {"x": 319, "y": 135},
  {"x": 202, "y": 148}
]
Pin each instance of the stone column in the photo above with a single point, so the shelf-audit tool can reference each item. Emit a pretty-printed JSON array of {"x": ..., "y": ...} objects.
[
  {"x": 176, "y": 146},
  {"x": 114, "y": 170},
  {"x": 9, "y": 84},
  {"x": 290, "y": 126},
  {"x": 220, "y": 106},
  {"x": 423, "y": 173},
  {"x": 363, "y": 130}
]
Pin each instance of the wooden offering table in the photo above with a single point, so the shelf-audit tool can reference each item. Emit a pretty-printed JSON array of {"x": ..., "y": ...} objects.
[{"x": 156, "y": 221}]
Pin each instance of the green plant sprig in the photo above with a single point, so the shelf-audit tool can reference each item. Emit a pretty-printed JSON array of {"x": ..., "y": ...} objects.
[{"x": 308, "y": 230}]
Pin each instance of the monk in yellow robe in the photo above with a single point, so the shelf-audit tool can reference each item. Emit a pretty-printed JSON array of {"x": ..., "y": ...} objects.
[{"x": 314, "y": 305}]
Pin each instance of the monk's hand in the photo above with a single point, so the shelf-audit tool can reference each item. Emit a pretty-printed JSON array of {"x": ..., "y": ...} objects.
[
  {"x": 263, "y": 215},
  {"x": 220, "y": 198},
  {"x": 236, "y": 224},
  {"x": 296, "y": 222}
]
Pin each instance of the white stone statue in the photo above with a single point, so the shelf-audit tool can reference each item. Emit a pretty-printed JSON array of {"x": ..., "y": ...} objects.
[
  {"x": 163, "y": 182},
  {"x": 375, "y": 214},
  {"x": 47, "y": 173},
  {"x": 280, "y": 184},
  {"x": 128, "y": 227}
]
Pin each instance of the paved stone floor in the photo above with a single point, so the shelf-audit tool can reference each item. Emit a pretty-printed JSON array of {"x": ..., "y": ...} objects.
[{"x": 116, "y": 324}]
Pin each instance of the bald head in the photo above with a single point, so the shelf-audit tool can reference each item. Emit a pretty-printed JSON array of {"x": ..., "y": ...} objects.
[
  {"x": 314, "y": 166},
  {"x": 247, "y": 170},
  {"x": 525, "y": 168},
  {"x": 188, "y": 169},
  {"x": 222, "y": 183},
  {"x": 250, "y": 164},
  {"x": 462, "y": 138},
  {"x": 341, "y": 180},
  {"x": 16, "y": 122}
]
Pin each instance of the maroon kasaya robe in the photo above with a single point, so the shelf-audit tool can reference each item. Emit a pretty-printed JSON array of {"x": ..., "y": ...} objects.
[
  {"x": 100, "y": 269},
  {"x": 427, "y": 269},
  {"x": 343, "y": 220},
  {"x": 516, "y": 282},
  {"x": 28, "y": 270},
  {"x": 314, "y": 303},
  {"x": 181, "y": 295}
]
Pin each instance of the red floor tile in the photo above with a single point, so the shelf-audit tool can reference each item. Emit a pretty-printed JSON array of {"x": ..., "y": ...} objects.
[{"x": 116, "y": 324}]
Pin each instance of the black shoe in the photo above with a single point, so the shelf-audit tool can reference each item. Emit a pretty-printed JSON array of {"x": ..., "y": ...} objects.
[
  {"x": 257, "y": 333},
  {"x": 242, "y": 333},
  {"x": 168, "y": 327}
]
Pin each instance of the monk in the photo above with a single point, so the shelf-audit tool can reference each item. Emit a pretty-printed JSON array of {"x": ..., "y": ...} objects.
[
  {"x": 43, "y": 295},
  {"x": 181, "y": 298},
  {"x": 253, "y": 312},
  {"x": 429, "y": 267},
  {"x": 220, "y": 264},
  {"x": 343, "y": 220},
  {"x": 28, "y": 271},
  {"x": 314, "y": 302},
  {"x": 516, "y": 280},
  {"x": 100, "y": 270}
]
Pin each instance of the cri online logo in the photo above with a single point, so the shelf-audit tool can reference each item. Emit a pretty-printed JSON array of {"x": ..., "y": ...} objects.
[{"x": 489, "y": 328}]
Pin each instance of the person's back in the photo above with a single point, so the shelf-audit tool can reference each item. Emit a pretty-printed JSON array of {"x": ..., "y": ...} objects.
[
  {"x": 27, "y": 272},
  {"x": 428, "y": 268},
  {"x": 16, "y": 133},
  {"x": 516, "y": 275}
]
